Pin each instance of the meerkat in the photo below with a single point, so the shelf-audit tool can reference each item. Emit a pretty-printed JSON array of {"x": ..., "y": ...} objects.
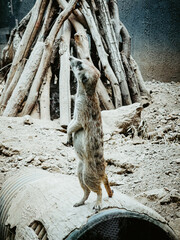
[{"x": 86, "y": 127}]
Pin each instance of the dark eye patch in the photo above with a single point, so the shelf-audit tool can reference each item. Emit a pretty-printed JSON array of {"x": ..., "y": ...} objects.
[
  {"x": 79, "y": 66},
  {"x": 84, "y": 79}
]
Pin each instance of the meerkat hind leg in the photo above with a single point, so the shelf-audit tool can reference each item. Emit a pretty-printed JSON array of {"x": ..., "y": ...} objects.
[
  {"x": 97, "y": 206},
  {"x": 84, "y": 187},
  {"x": 85, "y": 197}
]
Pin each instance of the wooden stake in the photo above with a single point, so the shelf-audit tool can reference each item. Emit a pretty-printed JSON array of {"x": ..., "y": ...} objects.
[
  {"x": 64, "y": 75},
  {"x": 45, "y": 97}
]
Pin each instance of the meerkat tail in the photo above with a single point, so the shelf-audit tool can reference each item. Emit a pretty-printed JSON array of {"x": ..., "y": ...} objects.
[{"x": 107, "y": 186}]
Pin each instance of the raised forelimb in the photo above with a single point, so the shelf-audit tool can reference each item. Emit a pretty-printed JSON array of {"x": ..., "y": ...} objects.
[{"x": 73, "y": 127}]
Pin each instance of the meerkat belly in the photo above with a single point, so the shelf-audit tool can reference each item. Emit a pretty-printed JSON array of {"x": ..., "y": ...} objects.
[{"x": 79, "y": 143}]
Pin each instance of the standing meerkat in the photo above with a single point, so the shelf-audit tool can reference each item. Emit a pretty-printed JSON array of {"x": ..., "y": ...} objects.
[{"x": 88, "y": 135}]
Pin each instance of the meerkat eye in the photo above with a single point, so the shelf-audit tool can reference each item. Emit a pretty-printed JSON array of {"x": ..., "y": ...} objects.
[
  {"x": 84, "y": 79},
  {"x": 79, "y": 66}
]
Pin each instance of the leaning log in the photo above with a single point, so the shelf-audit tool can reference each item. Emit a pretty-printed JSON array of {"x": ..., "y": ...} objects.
[
  {"x": 45, "y": 97},
  {"x": 22, "y": 88}
]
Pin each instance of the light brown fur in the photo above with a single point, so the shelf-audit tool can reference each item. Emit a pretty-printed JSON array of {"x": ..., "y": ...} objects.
[{"x": 88, "y": 136}]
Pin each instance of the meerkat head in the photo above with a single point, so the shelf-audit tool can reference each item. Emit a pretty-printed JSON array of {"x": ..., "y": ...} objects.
[{"x": 86, "y": 73}]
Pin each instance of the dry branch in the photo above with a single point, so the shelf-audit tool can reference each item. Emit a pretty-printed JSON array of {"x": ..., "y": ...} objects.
[
  {"x": 8, "y": 53},
  {"x": 13, "y": 84},
  {"x": 139, "y": 78}
]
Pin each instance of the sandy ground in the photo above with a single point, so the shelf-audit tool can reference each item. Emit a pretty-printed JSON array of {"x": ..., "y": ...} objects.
[{"x": 146, "y": 168}]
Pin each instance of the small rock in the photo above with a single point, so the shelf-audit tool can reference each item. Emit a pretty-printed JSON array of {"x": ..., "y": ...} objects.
[
  {"x": 29, "y": 159},
  {"x": 55, "y": 168},
  {"x": 164, "y": 121},
  {"x": 4, "y": 169},
  {"x": 46, "y": 166},
  {"x": 126, "y": 168},
  {"x": 153, "y": 195},
  {"x": 137, "y": 181},
  {"x": 172, "y": 197},
  {"x": 176, "y": 161},
  {"x": 19, "y": 158},
  {"x": 28, "y": 120},
  {"x": 107, "y": 137}
]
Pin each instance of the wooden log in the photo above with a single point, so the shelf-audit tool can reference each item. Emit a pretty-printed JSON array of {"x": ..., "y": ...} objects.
[
  {"x": 76, "y": 14},
  {"x": 131, "y": 80},
  {"x": 45, "y": 61},
  {"x": 120, "y": 29},
  {"x": 104, "y": 96},
  {"x": 102, "y": 53},
  {"x": 27, "y": 39},
  {"x": 114, "y": 11},
  {"x": 7, "y": 53},
  {"x": 113, "y": 46},
  {"x": 47, "y": 20},
  {"x": 23, "y": 85},
  {"x": 12, "y": 85},
  {"x": 36, "y": 111},
  {"x": 139, "y": 77},
  {"x": 64, "y": 75},
  {"x": 45, "y": 97}
]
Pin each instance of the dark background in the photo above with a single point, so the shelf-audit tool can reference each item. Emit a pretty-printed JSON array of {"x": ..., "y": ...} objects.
[{"x": 152, "y": 24}]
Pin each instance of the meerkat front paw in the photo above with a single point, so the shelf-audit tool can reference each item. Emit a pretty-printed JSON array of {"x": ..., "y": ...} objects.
[{"x": 69, "y": 140}]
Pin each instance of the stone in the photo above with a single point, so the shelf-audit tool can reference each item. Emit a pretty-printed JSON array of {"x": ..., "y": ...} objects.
[
  {"x": 27, "y": 120},
  {"x": 153, "y": 195},
  {"x": 29, "y": 159},
  {"x": 45, "y": 166},
  {"x": 172, "y": 197},
  {"x": 120, "y": 119}
]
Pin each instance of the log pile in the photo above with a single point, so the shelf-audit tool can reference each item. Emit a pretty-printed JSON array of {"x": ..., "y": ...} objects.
[{"x": 36, "y": 58}]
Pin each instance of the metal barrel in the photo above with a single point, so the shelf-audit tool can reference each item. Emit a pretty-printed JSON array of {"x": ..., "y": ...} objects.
[{"x": 35, "y": 204}]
